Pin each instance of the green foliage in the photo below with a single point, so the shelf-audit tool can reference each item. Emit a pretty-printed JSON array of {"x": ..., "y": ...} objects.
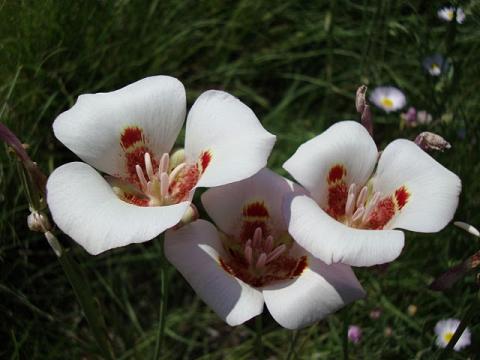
[{"x": 297, "y": 64}]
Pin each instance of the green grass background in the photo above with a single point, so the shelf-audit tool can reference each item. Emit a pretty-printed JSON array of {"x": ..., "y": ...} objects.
[{"x": 297, "y": 64}]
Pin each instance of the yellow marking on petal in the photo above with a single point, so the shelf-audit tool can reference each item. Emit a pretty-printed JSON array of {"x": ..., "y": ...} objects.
[
  {"x": 387, "y": 102},
  {"x": 448, "y": 336}
]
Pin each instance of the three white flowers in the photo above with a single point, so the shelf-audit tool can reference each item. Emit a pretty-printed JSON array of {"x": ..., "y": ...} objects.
[{"x": 277, "y": 243}]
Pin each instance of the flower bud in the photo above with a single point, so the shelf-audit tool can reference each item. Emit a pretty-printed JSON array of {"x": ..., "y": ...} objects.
[
  {"x": 430, "y": 141},
  {"x": 38, "y": 221},
  {"x": 412, "y": 309},
  {"x": 190, "y": 216},
  {"x": 176, "y": 159},
  {"x": 360, "y": 101}
]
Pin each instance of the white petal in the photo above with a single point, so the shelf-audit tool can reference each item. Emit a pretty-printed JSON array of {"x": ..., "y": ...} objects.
[
  {"x": 93, "y": 127},
  {"x": 346, "y": 143},
  {"x": 195, "y": 251},
  {"x": 433, "y": 189},
  {"x": 319, "y": 291},
  {"x": 225, "y": 204},
  {"x": 84, "y": 207},
  {"x": 229, "y": 130},
  {"x": 333, "y": 242}
]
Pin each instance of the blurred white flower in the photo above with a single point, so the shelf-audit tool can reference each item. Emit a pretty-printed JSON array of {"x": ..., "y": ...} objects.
[
  {"x": 445, "y": 329},
  {"x": 435, "y": 64},
  {"x": 388, "y": 98},
  {"x": 447, "y": 13}
]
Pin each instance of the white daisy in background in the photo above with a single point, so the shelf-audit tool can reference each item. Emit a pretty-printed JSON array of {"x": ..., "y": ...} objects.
[
  {"x": 447, "y": 13},
  {"x": 435, "y": 64},
  {"x": 445, "y": 330},
  {"x": 128, "y": 135},
  {"x": 388, "y": 98}
]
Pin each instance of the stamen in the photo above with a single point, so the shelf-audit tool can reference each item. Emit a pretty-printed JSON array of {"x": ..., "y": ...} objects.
[
  {"x": 350, "y": 205},
  {"x": 358, "y": 214},
  {"x": 149, "y": 166},
  {"x": 176, "y": 171},
  {"x": 371, "y": 205},
  {"x": 248, "y": 252},
  {"x": 268, "y": 246},
  {"x": 276, "y": 253},
  {"x": 164, "y": 163},
  {"x": 362, "y": 196},
  {"x": 257, "y": 237},
  {"x": 262, "y": 260},
  {"x": 164, "y": 183},
  {"x": 141, "y": 177}
]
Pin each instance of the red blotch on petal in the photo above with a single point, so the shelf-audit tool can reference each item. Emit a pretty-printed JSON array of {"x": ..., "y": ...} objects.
[
  {"x": 301, "y": 266},
  {"x": 402, "y": 196},
  {"x": 255, "y": 209},
  {"x": 336, "y": 173},
  {"x": 132, "y": 199},
  {"x": 382, "y": 214},
  {"x": 130, "y": 136},
  {"x": 337, "y": 199},
  {"x": 205, "y": 159}
]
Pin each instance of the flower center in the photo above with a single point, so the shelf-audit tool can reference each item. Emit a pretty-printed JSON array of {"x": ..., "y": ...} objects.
[
  {"x": 261, "y": 260},
  {"x": 387, "y": 102},
  {"x": 435, "y": 69},
  {"x": 159, "y": 185},
  {"x": 357, "y": 206},
  {"x": 448, "y": 336}
]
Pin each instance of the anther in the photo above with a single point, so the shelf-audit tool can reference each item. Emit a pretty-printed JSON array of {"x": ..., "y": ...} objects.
[
  {"x": 268, "y": 246},
  {"x": 362, "y": 196},
  {"x": 164, "y": 183},
  {"x": 276, "y": 253},
  {"x": 358, "y": 214},
  {"x": 141, "y": 176},
  {"x": 262, "y": 260},
  {"x": 248, "y": 253},
  {"x": 257, "y": 237},
  {"x": 149, "y": 166},
  {"x": 164, "y": 163}
]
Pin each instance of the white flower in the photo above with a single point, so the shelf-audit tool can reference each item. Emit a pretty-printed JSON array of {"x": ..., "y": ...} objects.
[
  {"x": 253, "y": 260},
  {"x": 435, "y": 64},
  {"x": 128, "y": 135},
  {"x": 388, "y": 98},
  {"x": 353, "y": 210},
  {"x": 447, "y": 13},
  {"x": 445, "y": 329}
]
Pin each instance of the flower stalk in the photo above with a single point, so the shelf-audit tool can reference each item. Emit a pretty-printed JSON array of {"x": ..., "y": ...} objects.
[{"x": 33, "y": 181}]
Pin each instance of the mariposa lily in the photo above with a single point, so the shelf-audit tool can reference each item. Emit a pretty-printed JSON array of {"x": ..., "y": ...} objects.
[
  {"x": 252, "y": 259},
  {"x": 357, "y": 198},
  {"x": 128, "y": 135}
]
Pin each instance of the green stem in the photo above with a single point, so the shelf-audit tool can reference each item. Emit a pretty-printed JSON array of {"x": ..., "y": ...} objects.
[
  {"x": 293, "y": 343},
  {"x": 259, "y": 342},
  {"x": 461, "y": 328},
  {"x": 163, "y": 305},
  {"x": 85, "y": 297},
  {"x": 346, "y": 321}
]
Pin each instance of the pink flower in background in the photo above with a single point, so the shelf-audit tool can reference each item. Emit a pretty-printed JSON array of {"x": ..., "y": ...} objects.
[
  {"x": 354, "y": 334},
  {"x": 413, "y": 118},
  {"x": 357, "y": 199},
  {"x": 128, "y": 134},
  {"x": 252, "y": 260}
]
